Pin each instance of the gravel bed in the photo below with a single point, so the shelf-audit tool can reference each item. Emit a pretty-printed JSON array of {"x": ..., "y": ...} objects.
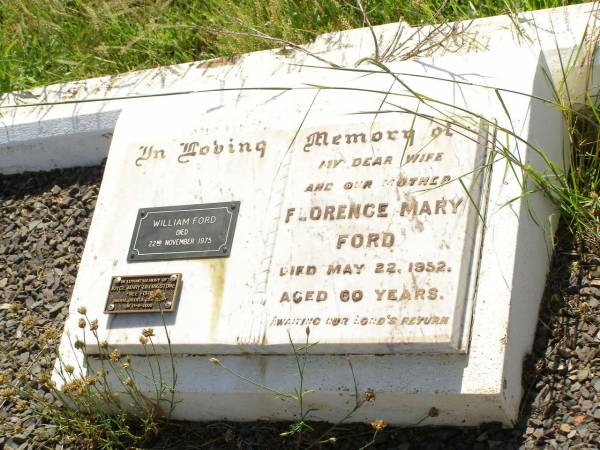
[{"x": 44, "y": 218}]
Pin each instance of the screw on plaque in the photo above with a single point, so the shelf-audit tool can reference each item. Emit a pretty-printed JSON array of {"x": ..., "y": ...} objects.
[
  {"x": 132, "y": 256},
  {"x": 167, "y": 304},
  {"x": 111, "y": 306},
  {"x": 224, "y": 249},
  {"x": 117, "y": 279},
  {"x": 232, "y": 207},
  {"x": 143, "y": 214},
  {"x": 173, "y": 277}
]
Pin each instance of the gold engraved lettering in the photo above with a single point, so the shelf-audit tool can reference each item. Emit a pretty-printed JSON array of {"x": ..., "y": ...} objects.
[
  {"x": 147, "y": 153},
  {"x": 419, "y": 208},
  {"x": 406, "y": 294},
  {"x": 376, "y": 320},
  {"x": 346, "y": 269},
  {"x": 322, "y": 138},
  {"x": 297, "y": 270},
  {"x": 355, "y": 296},
  {"x": 353, "y": 138},
  {"x": 409, "y": 135},
  {"x": 359, "y": 240},
  {"x": 423, "y": 157},
  {"x": 412, "y": 181},
  {"x": 366, "y": 184},
  {"x": 340, "y": 212},
  {"x": 372, "y": 161},
  {"x": 319, "y": 138},
  {"x": 318, "y": 187},
  {"x": 329, "y": 212},
  {"x": 437, "y": 131},
  {"x": 191, "y": 149},
  {"x": 299, "y": 296},
  {"x": 330, "y": 164}
]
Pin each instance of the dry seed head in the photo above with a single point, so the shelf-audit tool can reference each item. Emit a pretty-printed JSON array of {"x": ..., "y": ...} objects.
[
  {"x": 104, "y": 344},
  {"x": 215, "y": 361},
  {"x": 7, "y": 392},
  {"x": 21, "y": 405},
  {"x": 584, "y": 308},
  {"x": 94, "y": 325},
  {"x": 81, "y": 323},
  {"x": 369, "y": 395},
  {"x": 143, "y": 340},
  {"x": 69, "y": 369},
  {"x": 29, "y": 320},
  {"x": 125, "y": 365},
  {"x": 79, "y": 345},
  {"x": 22, "y": 375},
  {"x": 76, "y": 388},
  {"x": 115, "y": 356},
  {"x": 128, "y": 381},
  {"x": 148, "y": 332},
  {"x": 91, "y": 380},
  {"x": 228, "y": 436},
  {"x": 378, "y": 425},
  {"x": 157, "y": 295},
  {"x": 26, "y": 343},
  {"x": 82, "y": 310},
  {"x": 49, "y": 336},
  {"x": 43, "y": 378}
]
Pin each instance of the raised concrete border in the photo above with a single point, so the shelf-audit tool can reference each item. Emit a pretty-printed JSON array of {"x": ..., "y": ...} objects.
[
  {"x": 71, "y": 124},
  {"x": 481, "y": 386}
]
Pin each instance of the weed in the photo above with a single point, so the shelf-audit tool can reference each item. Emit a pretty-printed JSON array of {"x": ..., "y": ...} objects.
[
  {"x": 301, "y": 425},
  {"x": 88, "y": 410}
]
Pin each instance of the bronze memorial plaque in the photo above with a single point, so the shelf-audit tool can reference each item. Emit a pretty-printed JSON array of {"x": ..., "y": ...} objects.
[{"x": 143, "y": 293}]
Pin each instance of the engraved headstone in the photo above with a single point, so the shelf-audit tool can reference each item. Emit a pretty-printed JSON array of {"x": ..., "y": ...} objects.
[{"x": 378, "y": 214}]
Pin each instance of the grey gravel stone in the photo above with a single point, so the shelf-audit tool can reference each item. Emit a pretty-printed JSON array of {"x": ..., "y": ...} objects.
[
  {"x": 33, "y": 282},
  {"x": 12, "y": 444},
  {"x": 583, "y": 374},
  {"x": 593, "y": 291}
]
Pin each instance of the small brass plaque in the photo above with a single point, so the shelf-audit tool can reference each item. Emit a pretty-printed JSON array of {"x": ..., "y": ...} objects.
[{"x": 143, "y": 294}]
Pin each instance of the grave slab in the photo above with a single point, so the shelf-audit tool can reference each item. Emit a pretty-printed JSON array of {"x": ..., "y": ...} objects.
[{"x": 380, "y": 215}]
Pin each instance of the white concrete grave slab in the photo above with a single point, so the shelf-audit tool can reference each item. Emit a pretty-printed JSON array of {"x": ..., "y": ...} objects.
[{"x": 377, "y": 210}]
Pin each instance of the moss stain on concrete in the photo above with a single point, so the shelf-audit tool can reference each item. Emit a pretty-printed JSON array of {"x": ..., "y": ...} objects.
[{"x": 218, "y": 269}]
